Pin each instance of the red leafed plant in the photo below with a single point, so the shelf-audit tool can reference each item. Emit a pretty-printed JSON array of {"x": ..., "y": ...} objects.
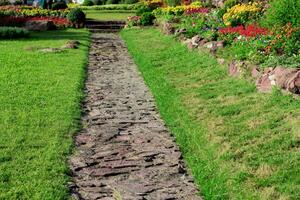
[
  {"x": 19, "y": 21},
  {"x": 248, "y": 31},
  {"x": 191, "y": 11}
]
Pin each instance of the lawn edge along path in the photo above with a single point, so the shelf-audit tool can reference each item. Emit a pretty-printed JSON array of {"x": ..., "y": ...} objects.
[
  {"x": 239, "y": 144},
  {"x": 40, "y": 111}
]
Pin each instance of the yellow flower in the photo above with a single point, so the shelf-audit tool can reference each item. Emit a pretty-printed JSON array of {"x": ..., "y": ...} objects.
[{"x": 241, "y": 12}]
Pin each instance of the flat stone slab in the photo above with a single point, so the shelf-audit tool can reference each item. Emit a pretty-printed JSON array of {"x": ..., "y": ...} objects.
[{"x": 124, "y": 149}]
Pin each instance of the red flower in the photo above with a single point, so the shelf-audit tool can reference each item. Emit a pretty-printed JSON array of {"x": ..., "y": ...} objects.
[{"x": 248, "y": 31}]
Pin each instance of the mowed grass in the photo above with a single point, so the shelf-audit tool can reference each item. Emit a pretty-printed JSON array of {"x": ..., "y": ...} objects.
[
  {"x": 39, "y": 111},
  {"x": 108, "y": 15},
  {"x": 239, "y": 144}
]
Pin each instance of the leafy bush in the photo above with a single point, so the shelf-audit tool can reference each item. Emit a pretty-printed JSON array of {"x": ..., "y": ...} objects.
[
  {"x": 282, "y": 12},
  {"x": 147, "y": 19},
  {"x": 133, "y": 21},
  {"x": 111, "y": 7},
  {"x": 192, "y": 24},
  {"x": 112, "y": 2},
  {"x": 129, "y": 1},
  {"x": 4, "y": 3},
  {"x": 99, "y": 2},
  {"x": 59, "y": 5},
  {"x": 196, "y": 3},
  {"x": 76, "y": 16},
  {"x": 13, "y": 32},
  {"x": 18, "y": 2},
  {"x": 143, "y": 9},
  {"x": 173, "y": 2},
  {"x": 88, "y": 3}
]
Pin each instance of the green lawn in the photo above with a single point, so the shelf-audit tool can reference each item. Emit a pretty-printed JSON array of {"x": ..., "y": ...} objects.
[
  {"x": 108, "y": 15},
  {"x": 239, "y": 144},
  {"x": 39, "y": 112}
]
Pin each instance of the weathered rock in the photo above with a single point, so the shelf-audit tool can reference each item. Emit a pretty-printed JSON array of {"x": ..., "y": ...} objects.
[
  {"x": 221, "y": 61},
  {"x": 179, "y": 31},
  {"x": 287, "y": 79},
  {"x": 72, "y": 44},
  {"x": 51, "y": 50},
  {"x": 167, "y": 28},
  {"x": 233, "y": 69},
  {"x": 263, "y": 83},
  {"x": 37, "y": 25},
  {"x": 255, "y": 72},
  {"x": 195, "y": 40}
]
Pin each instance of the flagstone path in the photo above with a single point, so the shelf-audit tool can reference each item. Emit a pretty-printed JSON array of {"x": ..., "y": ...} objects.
[{"x": 124, "y": 150}]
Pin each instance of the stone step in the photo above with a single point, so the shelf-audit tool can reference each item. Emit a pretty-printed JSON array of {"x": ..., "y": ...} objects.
[
  {"x": 104, "y": 30},
  {"x": 105, "y": 26},
  {"x": 95, "y": 22}
]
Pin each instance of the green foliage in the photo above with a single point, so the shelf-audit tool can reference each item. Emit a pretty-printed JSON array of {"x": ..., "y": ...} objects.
[
  {"x": 4, "y": 2},
  {"x": 13, "y": 32},
  {"x": 196, "y": 3},
  {"x": 111, "y": 7},
  {"x": 282, "y": 12},
  {"x": 173, "y": 2},
  {"x": 147, "y": 19},
  {"x": 143, "y": 9},
  {"x": 108, "y": 2},
  {"x": 76, "y": 16},
  {"x": 59, "y": 5},
  {"x": 88, "y": 3},
  {"x": 192, "y": 24},
  {"x": 18, "y": 2},
  {"x": 129, "y": 1},
  {"x": 98, "y": 2}
]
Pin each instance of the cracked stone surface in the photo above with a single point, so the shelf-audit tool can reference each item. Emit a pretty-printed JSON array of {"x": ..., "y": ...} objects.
[{"x": 124, "y": 150}]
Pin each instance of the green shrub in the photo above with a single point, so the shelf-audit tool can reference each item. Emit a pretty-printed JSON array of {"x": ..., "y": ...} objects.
[
  {"x": 59, "y": 5},
  {"x": 129, "y": 1},
  {"x": 192, "y": 24},
  {"x": 76, "y": 16},
  {"x": 12, "y": 32},
  {"x": 4, "y": 3},
  {"x": 108, "y": 2},
  {"x": 282, "y": 12},
  {"x": 99, "y": 2},
  {"x": 143, "y": 9},
  {"x": 196, "y": 3},
  {"x": 88, "y": 3},
  {"x": 111, "y": 7},
  {"x": 147, "y": 19},
  {"x": 18, "y": 2},
  {"x": 173, "y": 2}
]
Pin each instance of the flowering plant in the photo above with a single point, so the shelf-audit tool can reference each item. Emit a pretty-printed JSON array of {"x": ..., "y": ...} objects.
[
  {"x": 29, "y": 11},
  {"x": 175, "y": 10},
  {"x": 20, "y": 21},
  {"x": 241, "y": 14},
  {"x": 133, "y": 21},
  {"x": 251, "y": 30},
  {"x": 192, "y": 10}
]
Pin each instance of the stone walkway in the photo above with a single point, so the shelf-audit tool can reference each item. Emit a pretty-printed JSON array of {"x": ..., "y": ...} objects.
[{"x": 124, "y": 150}]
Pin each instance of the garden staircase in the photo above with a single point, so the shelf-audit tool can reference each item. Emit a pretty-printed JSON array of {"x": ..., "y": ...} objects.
[{"x": 104, "y": 26}]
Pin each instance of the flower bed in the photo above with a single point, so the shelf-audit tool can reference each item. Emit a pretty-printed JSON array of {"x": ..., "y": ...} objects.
[
  {"x": 29, "y": 11},
  {"x": 20, "y": 21},
  {"x": 247, "y": 31}
]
